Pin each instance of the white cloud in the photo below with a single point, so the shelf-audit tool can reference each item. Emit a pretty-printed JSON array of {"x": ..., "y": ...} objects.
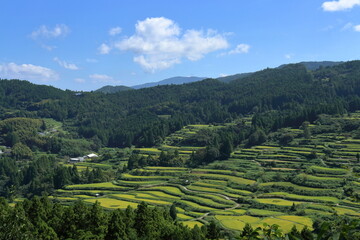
[
  {"x": 357, "y": 28},
  {"x": 159, "y": 43},
  {"x": 47, "y": 47},
  {"x": 340, "y": 5},
  {"x": 327, "y": 28},
  {"x": 115, "y": 31},
  {"x": 102, "y": 78},
  {"x": 27, "y": 72},
  {"x": 223, "y": 75},
  {"x": 104, "y": 49},
  {"x": 241, "y": 48},
  {"x": 66, "y": 65},
  {"x": 288, "y": 56},
  {"x": 347, "y": 26},
  {"x": 60, "y": 30},
  {"x": 91, "y": 60},
  {"x": 79, "y": 80}
]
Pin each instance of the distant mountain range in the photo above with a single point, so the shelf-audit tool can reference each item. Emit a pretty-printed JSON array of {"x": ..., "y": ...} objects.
[
  {"x": 168, "y": 81},
  {"x": 113, "y": 89},
  {"x": 311, "y": 66}
]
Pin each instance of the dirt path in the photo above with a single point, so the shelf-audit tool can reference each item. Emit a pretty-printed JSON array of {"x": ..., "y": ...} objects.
[
  {"x": 234, "y": 207},
  {"x": 201, "y": 218},
  {"x": 216, "y": 194},
  {"x": 287, "y": 220}
]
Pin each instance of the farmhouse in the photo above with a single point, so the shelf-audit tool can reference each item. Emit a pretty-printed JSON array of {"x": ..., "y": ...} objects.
[
  {"x": 92, "y": 155},
  {"x": 83, "y": 158},
  {"x": 76, "y": 160}
]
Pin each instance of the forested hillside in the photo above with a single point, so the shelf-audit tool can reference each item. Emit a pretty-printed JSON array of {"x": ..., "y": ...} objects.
[
  {"x": 275, "y": 146},
  {"x": 284, "y": 96}
]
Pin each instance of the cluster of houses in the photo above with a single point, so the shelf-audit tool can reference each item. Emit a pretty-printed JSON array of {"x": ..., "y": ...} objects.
[{"x": 83, "y": 158}]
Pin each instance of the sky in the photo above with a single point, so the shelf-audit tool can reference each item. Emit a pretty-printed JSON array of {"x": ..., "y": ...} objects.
[{"x": 83, "y": 45}]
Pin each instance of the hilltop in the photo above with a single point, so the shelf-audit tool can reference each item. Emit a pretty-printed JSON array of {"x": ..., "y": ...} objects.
[
  {"x": 168, "y": 81},
  {"x": 113, "y": 89}
]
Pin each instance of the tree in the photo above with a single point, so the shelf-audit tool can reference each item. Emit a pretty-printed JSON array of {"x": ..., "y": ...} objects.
[
  {"x": 143, "y": 222},
  {"x": 96, "y": 220},
  {"x": 116, "y": 227},
  {"x": 285, "y": 139},
  {"x": 272, "y": 231},
  {"x": 173, "y": 212},
  {"x": 16, "y": 226},
  {"x": 293, "y": 207},
  {"x": 61, "y": 177},
  {"x": 306, "y": 130},
  {"x": 226, "y": 149},
  {"x": 248, "y": 233},
  {"x": 20, "y": 151},
  {"x": 213, "y": 230},
  {"x": 43, "y": 231},
  {"x": 197, "y": 234},
  {"x": 294, "y": 234},
  {"x": 257, "y": 137}
]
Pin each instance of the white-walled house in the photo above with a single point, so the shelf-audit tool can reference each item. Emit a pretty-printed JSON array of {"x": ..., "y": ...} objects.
[
  {"x": 76, "y": 160},
  {"x": 83, "y": 158},
  {"x": 92, "y": 155}
]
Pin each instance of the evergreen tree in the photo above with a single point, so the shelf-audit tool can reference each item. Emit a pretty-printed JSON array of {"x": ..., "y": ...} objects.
[
  {"x": 173, "y": 212},
  {"x": 96, "y": 220},
  {"x": 197, "y": 234},
  {"x": 213, "y": 230},
  {"x": 116, "y": 227},
  {"x": 144, "y": 224}
]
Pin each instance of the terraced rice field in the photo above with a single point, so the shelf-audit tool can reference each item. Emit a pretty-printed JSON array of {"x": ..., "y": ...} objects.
[
  {"x": 277, "y": 201},
  {"x": 99, "y": 186},
  {"x": 331, "y": 171},
  {"x": 197, "y": 206},
  {"x": 204, "y": 189},
  {"x": 192, "y": 224},
  {"x": 302, "y": 198},
  {"x": 141, "y": 197},
  {"x": 234, "y": 179},
  {"x": 286, "y": 222},
  {"x": 346, "y": 211},
  {"x": 262, "y": 212},
  {"x": 255, "y": 185},
  {"x": 162, "y": 195},
  {"x": 112, "y": 203}
]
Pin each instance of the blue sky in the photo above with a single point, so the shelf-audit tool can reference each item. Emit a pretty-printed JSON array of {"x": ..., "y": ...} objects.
[{"x": 83, "y": 45}]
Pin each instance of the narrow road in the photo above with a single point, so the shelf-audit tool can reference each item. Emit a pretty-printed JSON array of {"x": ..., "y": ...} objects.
[
  {"x": 216, "y": 194},
  {"x": 232, "y": 208},
  {"x": 201, "y": 218}
]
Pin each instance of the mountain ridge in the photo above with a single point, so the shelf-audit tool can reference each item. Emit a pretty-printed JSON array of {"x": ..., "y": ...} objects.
[
  {"x": 113, "y": 89},
  {"x": 173, "y": 80},
  {"x": 309, "y": 65}
]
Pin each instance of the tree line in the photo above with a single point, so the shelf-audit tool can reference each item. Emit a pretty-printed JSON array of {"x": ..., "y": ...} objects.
[
  {"x": 41, "y": 176},
  {"x": 41, "y": 218}
]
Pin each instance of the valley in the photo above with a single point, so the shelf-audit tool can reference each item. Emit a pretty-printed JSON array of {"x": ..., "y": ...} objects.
[
  {"x": 211, "y": 159},
  {"x": 290, "y": 184}
]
